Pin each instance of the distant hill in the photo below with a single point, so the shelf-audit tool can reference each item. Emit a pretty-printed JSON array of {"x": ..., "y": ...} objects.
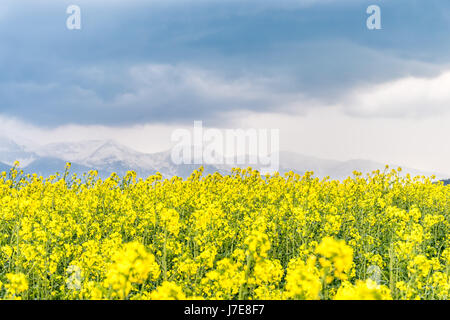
[
  {"x": 446, "y": 182},
  {"x": 49, "y": 166},
  {"x": 4, "y": 167},
  {"x": 110, "y": 156},
  {"x": 11, "y": 152}
]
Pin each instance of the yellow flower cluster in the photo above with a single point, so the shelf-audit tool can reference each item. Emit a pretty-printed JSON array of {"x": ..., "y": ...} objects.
[
  {"x": 130, "y": 265},
  {"x": 367, "y": 290},
  {"x": 239, "y": 236},
  {"x": 17, "y": 284}
]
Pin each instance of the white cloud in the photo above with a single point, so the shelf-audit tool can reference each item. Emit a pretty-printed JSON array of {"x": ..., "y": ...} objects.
[{"x": 406, "y": 97}]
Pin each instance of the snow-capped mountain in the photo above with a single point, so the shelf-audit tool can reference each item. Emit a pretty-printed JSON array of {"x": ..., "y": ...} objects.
[
  {"x": 110, "y": 156},
  {"x": 106, "y": 156},
  {"x": 69, "y": 151},
  {"x": 11, "y": 152}
]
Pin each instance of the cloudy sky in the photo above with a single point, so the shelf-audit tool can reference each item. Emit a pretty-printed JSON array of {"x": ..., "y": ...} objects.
[{"x": 137, "y": 70}]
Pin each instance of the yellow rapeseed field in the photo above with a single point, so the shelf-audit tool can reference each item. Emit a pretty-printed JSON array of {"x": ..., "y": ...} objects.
[{"x": 239, "y": 236}]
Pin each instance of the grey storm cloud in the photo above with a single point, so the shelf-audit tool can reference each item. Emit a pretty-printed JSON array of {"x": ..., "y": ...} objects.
[{"x": 172, "y": 61}]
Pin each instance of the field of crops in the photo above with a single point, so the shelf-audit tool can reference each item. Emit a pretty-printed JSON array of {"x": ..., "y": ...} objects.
[{"x": 241, "y": 236}]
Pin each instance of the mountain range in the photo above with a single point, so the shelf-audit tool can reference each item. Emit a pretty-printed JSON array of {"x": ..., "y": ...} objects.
[{"x": 110, "y": 156}]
